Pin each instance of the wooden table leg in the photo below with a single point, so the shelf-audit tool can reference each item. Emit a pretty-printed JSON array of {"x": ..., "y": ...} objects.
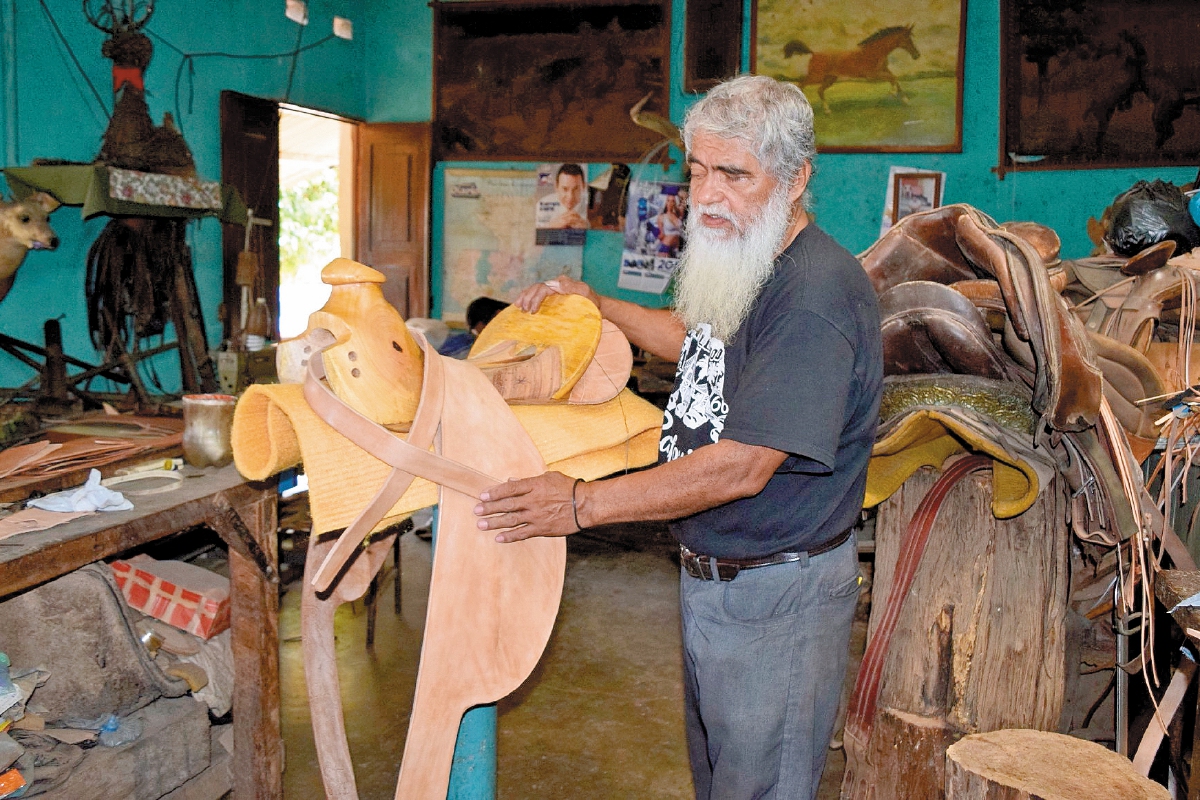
[{"x": 257, "y": 748}]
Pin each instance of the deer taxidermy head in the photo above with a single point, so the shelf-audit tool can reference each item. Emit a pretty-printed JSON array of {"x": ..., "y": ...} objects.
[{"x": 24, "y": 226}]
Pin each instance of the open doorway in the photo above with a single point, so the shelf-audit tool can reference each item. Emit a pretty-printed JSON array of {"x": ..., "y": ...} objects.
[{"x": 316, "y": 209}]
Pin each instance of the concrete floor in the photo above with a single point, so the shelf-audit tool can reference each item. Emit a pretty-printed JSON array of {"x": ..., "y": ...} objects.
[{"x": 600, "y": 717}]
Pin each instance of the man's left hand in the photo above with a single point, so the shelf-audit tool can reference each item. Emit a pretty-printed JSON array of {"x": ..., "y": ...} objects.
[{"x": 529, "y": 507}]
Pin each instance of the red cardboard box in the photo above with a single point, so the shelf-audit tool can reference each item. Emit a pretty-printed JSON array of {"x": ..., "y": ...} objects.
[{"x": 191, "y": 598}]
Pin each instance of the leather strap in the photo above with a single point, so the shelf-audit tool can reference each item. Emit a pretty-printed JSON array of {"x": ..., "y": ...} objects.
[
  {"x": 860, "y": 720},
  {"x": 408, "y": 459},
  {"x": 726, "y": 569}
]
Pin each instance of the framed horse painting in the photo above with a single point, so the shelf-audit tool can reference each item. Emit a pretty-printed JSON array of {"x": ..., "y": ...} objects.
[{"x": 882, "y": 75}]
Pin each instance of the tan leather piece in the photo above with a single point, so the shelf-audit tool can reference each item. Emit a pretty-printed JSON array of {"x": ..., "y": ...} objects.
[
  {"x": 523, "y": 374},
  {"x": 529, "y": 380},
  {"x": 1059, "y": 278},
  {"x": 609, "y": 370},
  {"x": 1164, "y": 357},
  {"x": 1135, "y": 321},
  {"x": 93, "y": 440},
  {"x": 320, "y": 659},
  {"x": 1128, "y": 377},
  {"x": 1043, "y": 238},
  {"x": 346, "y": 420},
  {"x": 491, "y": 606},
  {"x": 1150, "y": 259},
  {"x": 36, "y": 519},
  {"x": 985, "y": 294},
  {"x": 1096, "y": 273},
  {"x": 291, "y": 355},
  {"x": 13, "y": 459}
]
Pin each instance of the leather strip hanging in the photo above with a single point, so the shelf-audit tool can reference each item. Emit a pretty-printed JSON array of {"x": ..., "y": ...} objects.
[{"x": 860, "y": 720}]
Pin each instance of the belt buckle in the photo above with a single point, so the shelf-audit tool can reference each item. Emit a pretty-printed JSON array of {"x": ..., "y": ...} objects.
[{"x": 698, "y": 566}]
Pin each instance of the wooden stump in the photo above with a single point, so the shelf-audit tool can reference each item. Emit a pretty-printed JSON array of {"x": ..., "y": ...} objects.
[
  {"x": 1025, "y": 764},
  {"x": 980, "y": 643}
]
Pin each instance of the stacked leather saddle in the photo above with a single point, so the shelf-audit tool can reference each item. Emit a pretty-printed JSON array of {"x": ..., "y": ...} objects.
[
  {"x": 981, "y": 318},
  {"x": 998, "y": 356},
  {"x": 983, "y": 354}
]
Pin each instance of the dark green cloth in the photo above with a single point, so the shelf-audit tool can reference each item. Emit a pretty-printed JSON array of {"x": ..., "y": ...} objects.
[{"x": 87, "y": 185}]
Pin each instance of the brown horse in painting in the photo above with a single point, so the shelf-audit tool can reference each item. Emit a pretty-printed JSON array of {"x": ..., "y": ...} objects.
[{"x": 867, "y": 62}]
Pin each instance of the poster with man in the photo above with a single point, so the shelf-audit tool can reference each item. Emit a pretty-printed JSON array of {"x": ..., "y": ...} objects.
[
  {"x": 654, "y": 235},
  {"x": 562, "y": 200}
]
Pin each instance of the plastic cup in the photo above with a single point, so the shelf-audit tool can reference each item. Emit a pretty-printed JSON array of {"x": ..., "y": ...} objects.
[{"x": 207, "y": 421}]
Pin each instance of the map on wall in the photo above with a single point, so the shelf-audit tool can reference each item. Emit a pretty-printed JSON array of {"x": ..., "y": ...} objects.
[{"x": 488, "y": 249}]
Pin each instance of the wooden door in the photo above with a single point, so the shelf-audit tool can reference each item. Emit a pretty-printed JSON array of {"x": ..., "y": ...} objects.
[
  {"x": 392, "y": 210},
  {"x": 250, "y": 162}
]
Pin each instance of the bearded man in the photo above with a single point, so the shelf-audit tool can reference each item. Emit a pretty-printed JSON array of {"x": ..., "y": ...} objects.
[{"x": 764, "y": 448}]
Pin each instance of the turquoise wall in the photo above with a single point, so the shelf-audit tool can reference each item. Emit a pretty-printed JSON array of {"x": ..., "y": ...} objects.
[
  {"x": 849, "y": 190},
  {"x": 386, "y": 74},
  {"x": 57, "y": 116}
]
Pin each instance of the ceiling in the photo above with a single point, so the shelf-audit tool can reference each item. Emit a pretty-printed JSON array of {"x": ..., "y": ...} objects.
[{"x": 308, "y": 145}]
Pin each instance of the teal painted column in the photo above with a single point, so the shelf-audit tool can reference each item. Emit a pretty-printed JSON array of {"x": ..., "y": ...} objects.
[{"x": 473, "y": 772}]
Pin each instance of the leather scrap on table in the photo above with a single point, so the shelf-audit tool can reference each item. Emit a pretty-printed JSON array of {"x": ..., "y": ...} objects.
[{"x": 35, "y": 519}]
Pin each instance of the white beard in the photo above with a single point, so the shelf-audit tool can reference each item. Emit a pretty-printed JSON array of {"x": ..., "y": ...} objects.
[{"x": 720, "y": 275}]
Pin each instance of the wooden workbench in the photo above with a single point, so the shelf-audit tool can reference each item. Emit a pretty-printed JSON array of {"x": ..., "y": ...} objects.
[{"x": 243, "y": 514}]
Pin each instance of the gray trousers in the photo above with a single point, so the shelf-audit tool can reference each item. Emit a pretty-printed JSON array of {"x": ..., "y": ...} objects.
[{"x": 764, "y": 661}]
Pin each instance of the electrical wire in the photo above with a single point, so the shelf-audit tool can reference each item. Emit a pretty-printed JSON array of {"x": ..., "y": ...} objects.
[
  {"x": 188, "y": 63},
  {"x": 74, "y": 59},
  {"x": 295, "y": 58}
]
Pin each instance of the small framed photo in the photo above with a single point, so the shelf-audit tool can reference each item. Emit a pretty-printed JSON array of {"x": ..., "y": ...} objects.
[{"x": 913, "y": 192}]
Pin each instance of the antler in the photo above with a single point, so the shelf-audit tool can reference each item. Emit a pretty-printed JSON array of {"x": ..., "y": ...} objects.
[{"x": 118, "y": 16}]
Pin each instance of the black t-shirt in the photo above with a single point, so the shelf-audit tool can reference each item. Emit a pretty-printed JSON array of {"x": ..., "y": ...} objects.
[{"x": 803, "y": 375}]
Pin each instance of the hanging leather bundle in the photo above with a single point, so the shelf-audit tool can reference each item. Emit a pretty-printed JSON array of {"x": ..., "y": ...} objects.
[{"x": 139, "y": 277}]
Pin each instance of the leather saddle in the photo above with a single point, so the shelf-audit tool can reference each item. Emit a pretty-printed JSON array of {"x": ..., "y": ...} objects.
[
  {"x": 922, "y": 247},
  {"x": 928, "y": 327},
  {"x": 1003, "y": 278},
  {"x": 384, "y": 426}
]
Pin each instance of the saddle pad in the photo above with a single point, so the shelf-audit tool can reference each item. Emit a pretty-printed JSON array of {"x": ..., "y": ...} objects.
[
  {"x": 275, "y": 429},
  {"x": 926, "y": 420}
]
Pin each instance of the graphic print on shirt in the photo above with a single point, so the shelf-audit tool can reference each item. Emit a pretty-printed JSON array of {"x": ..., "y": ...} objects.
[{"x": 697, "y": 408}]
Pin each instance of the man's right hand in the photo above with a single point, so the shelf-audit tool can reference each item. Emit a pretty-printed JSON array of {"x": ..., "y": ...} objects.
[{"x": 531, "y": 299}]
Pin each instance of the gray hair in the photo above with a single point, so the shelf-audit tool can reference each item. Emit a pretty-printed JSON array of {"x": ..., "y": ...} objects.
[{"x": 773, "y": 119}]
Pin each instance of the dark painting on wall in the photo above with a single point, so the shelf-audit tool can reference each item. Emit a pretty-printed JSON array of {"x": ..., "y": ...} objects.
[
  {"x": 1100, "y": 83},
  {"x": 548, "y": 82},
  {"x": 712, "y": 50}
]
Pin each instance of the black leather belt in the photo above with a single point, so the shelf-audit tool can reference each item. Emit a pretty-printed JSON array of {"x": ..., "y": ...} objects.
[{"x": 702, "y": 567}]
